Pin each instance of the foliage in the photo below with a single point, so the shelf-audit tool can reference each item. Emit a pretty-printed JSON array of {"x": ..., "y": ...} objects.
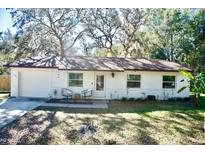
[
  {"x": 170, "y": 34},
  {"x": 102, "y": 26},
  {"x": 57, "y": 26},
  {"x": 196, "y": 84},
  {"x": 129, "y": 37},
  {"x": 187, "y": 74}
]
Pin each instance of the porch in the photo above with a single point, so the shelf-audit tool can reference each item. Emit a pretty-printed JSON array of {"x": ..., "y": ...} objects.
[
  {"x": 77, "y": 103},
  {"x": 96, "y": 105}
]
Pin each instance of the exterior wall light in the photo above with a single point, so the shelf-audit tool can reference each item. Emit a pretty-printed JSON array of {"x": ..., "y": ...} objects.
[{"x": 113, "y": 74}]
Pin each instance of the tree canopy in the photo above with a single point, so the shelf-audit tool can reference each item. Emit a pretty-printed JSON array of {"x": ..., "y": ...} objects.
[{"x": 170, "y": 34}]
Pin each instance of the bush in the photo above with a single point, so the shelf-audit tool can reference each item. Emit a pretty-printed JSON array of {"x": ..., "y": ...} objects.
[
  {"x": 131, "y": 99},
  {"x": 187, "y": 98},
  {"x": 116, "y": 99},
  {"x": 179, "y": 99},
  {"x": 151, "y": 97},
  {"x": 124, "y": 99},
  {"x": 172, "y": 99},
  {"x": 139, "y": 99}
]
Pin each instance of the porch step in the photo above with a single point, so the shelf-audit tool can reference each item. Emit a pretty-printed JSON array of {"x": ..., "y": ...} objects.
[
  {"x": 94, "y": 105},
  {"x": 78, "y": 101}
]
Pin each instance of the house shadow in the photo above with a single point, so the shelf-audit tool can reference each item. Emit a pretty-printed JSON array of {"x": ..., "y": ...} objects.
[{"x": 24, "y": 131}]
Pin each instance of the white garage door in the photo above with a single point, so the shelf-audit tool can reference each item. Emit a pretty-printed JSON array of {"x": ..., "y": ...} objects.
[{"x": 34, "y": 83}]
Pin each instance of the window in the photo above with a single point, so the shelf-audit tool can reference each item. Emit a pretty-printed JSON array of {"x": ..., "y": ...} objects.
[
  {"x": 75, "y": 80},
  {"x": 168, "y": 81},
  {"x": 100, "y": 82},
  {"x": 133, "y": 81}
]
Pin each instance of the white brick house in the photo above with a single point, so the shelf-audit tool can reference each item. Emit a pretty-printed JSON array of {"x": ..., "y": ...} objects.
[{"x": 109, "y": 78}]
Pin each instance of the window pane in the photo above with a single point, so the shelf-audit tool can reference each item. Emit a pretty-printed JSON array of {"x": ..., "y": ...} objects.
[
  {"x": 71, "y": 75},
  {"x": 168, "y": 81},
  {"x": 75, "y": 75},
  {"x": 75, "y": 79},
  {"x": 75, "y": 83},
  {"x": 100, "y": 82},
  {"x": 133, "y": 84},
  {"x": 168, "y": 78},
  {"x": 133, "y": 77},
  {"x": 168, "y": 84},
  {"x": 133, "y": 81}
]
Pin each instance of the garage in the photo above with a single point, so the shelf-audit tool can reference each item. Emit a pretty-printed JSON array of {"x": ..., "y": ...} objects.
[{"x": 34, "y": 83}]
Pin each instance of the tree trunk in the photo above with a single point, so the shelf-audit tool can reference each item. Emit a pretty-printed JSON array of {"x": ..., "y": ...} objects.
[
  {"x": 196, "y": 101},
  {"x": 126, "y": 53},
  {"x": 62, "y": 52},
  {"x": 172, "y": 53}
]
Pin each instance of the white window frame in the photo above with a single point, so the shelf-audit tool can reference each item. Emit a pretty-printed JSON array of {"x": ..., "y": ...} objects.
[
  {"x": 169, "y": 82},
  {"x": 134, "y": 80},
  {"x": 74, "y": 79}
]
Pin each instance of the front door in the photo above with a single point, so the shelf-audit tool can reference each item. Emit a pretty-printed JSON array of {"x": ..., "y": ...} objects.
[{"x": 99, "y": 85}]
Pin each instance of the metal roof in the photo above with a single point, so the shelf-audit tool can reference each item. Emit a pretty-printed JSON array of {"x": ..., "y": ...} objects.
[{"x": 97, "y": 63}]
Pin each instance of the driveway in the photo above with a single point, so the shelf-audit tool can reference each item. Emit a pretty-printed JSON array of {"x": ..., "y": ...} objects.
[{"x": 13, "y": 108}]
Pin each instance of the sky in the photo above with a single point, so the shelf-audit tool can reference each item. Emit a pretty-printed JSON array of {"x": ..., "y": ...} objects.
[{"x": 5, "y": 21}]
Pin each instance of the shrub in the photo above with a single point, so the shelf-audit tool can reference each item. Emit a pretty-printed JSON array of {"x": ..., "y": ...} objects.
[
  {"x": 139, "y": 99},
  {"x": 187, "y": 98},
  {"x": 131, "y": 99},
  {"x": 179, "y": 99},
  {"x": 172, "y": 99},
  {"x": 124, "y": 98},
  {"x": 116, "y": 99},
  {"x": 151, "y": 97}
]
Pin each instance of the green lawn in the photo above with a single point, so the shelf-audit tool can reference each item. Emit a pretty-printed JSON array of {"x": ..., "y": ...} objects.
[
  {"x": 123, "y": 123},
  {"x": 202, "y": 99}
]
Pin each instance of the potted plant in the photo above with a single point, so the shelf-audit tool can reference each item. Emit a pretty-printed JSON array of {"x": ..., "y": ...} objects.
[{"x": 55, "y": 92}]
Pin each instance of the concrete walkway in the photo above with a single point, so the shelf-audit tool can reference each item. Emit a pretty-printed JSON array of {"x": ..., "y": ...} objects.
[
  {"x": 3, "y": 95},
  {"x": 13, "y": 108},
  {"x": 100, "y": 105}
]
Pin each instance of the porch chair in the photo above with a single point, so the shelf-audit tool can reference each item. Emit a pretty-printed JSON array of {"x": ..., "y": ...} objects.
[
  {"x": 67, "y": 93},
  {"x": 86, "y": 93}
]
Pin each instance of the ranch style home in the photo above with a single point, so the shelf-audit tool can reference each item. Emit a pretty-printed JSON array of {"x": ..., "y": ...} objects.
[{"x": 102, "y": 78}]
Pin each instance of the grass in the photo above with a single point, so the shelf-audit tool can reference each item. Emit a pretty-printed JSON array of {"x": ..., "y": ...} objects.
[
  {"x": 123, "y": 123},
  {"x": 202, "y": 99}
]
